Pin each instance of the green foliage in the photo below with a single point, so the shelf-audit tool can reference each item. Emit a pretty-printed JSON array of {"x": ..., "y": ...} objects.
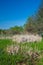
[
  {"x": 12, "y": 31},
  {"x": 17, "y": 29}
]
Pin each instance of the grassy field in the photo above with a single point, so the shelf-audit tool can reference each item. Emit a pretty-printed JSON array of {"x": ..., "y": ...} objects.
[{"x": 22, "y": 57}]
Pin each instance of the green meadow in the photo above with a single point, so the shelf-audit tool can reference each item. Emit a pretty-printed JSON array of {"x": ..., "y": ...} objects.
[{"x": 21, "y": 58}]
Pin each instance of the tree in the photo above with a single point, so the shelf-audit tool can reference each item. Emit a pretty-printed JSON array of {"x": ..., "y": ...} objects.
[
  {"x": 16, "y": 30},
  {"x": 39, "y": 19},
  {"x": 30, "y": 25},
  {"x": 34, "y": 24}
]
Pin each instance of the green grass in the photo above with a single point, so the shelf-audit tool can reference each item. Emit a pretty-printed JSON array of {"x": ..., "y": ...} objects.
[{"x": 6, "y": 59}]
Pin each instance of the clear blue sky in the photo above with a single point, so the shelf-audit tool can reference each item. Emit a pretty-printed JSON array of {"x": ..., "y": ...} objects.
[{"x": 16, "y": 12}]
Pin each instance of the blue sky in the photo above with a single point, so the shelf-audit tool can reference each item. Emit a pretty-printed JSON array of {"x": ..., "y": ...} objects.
[{"x": 16, "y": 12}]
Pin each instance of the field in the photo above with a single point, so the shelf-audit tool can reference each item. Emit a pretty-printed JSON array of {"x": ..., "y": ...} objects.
[{"x": 28, "y": 53}]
